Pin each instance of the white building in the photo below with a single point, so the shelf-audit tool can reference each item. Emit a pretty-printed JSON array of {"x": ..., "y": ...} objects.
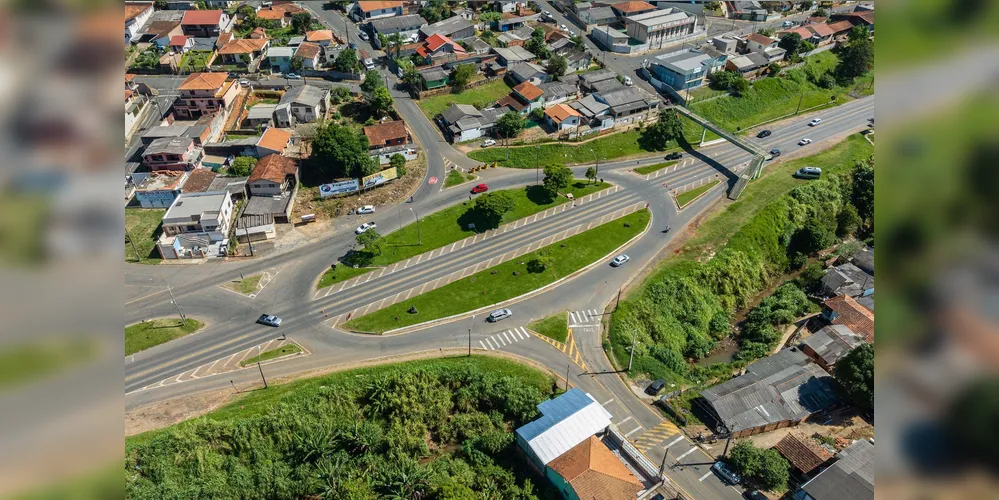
[{"x": 196, "y": 225}]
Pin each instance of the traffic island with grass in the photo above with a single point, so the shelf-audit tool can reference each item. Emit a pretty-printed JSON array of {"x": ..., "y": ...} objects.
[
  {"x": 648, "y": 169},
  {"x": 554, "y": 327},
  {"x": 342, "y": 272},
  {"x": 245, "y": 286},
  {"x": 285, "y": 350},
  {"x": 511, "y": 279},
  {"x": 685, "y": 198},
  {"x": 456, "y": 177},
  {"x": 142, "y": 336}
]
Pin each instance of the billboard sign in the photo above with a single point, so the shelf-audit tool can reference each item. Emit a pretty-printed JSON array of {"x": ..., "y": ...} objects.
[
  {"x": 379, "y": 178},
  {"x": 338, "y": 188}
]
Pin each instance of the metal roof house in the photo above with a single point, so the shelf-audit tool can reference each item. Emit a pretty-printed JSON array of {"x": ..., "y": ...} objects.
[
  {"x": 850, "y": 478},
  {"x": 565, "y": 422},
  {"x": 831, "y": 344}
]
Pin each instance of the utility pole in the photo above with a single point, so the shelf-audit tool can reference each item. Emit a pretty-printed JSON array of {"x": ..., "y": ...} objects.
[
  {"x": 183, "y": 318},
  {"x": 631, "y": 356},
  {"x": 662, "y": 467},
  {"x": 567, "y": 365},
  {"x": 260, "y": 368},
  {"x": 470, "y": 335},
  {"x": 800, "y": 97},
  {"x": 132, "y": 241},
  {"x": 597, "y": 161},
  {"x": 248, "y": 242},
  {"x": 618, "y": 304}
]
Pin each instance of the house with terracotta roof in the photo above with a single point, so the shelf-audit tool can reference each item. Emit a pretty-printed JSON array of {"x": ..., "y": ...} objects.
[
  {"x": 524, "y": 98},
  {"x": 857, "y": 18},
  {"x": 626, "y": 9},
  {"x": 199, "y": 180},
  {"x": 845, "y": 310},
  {"x": 280, "y": 13},
  {"x": 272, "y": 185},
  {"x": 309, "y": 53},
  {"x": 273, "y": 141},
  {"x": 387, "y": 134},
  {"x": 243, "y": 51},
  {"x": 562, "y": 117},
  {"x": 841, "y": 28},
  {"x": 258, "y": 32},
  {"x": 136, "y": 14},
  {"x": 205, "y": 23},
  {"x": 181, "y": 44},
  {"x": 590, "y": 471},
  {"x": 321, "y": 37},
  {"x": 803, "y": 453},
  {"x": 439, "y": 48},
  {"x": 204, "y": 94},
  {"x": 368, "y": 10}
]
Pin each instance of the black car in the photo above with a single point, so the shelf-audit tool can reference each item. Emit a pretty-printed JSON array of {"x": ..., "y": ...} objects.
[
  {"x": 655, "y": 387},
  {"x": 763, "y": 133},
  {"x": 674, "y": 156},
  {"x": 774, "y": 153}
]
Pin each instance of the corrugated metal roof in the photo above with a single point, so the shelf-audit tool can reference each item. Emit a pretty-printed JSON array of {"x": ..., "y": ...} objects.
[{"x": 565, "y": 422}]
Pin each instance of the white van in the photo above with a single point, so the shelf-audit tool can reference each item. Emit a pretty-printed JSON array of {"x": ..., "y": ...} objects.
[{"x": 808, "y": 173}]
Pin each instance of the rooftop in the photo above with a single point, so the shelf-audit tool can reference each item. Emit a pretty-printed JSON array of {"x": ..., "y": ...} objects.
[
  {"x": 661, "y": 17},
  {"x": 169, "y": 145},
  {"x": 847, "y": 279},
  {"x": 190, "y": 206},
  {"x": 398, "y": 23},
  {"x": 684, "y": 61},
  {"x": 204, "y": 81},
  {"x": 804, "y": 453},
  {"x": 261, "y": 112},
  {"x": 447, "y": 26},
  {"x": 760, "y": 39},
  {"x": 304, "y": 94},
  {"x": 514, "y": 54},
  {"x": 274, "y": 139},
  {"x": 528, "y": 91},
  {"x": 319, "y": 35},
  {"x": 381, "y": 133},
  {"x": 274, "y": 168},
  {"x": 133, "y": 9},
  {"x": 244, "y": 46},
  {"x": 370, "y": 6},
  {"x": 852, "y": 314},
  {"x": 308, "y": 50},
  {"x": 565, "y": 422},
  {"x": 162, "y": 180},
  {"x": 200, "y": 17},
  {"x": 596, "y": 473},
  {"x": 632, "y": 7},
  {"x": 599, "y": 75},
  {"x": 199, "y": 180},
  {"x": 288, "y": 52},
  {"x": 559, "y": 112},
  {"x": 833, "y": 342},
  {"x": 850, "y": 478}
]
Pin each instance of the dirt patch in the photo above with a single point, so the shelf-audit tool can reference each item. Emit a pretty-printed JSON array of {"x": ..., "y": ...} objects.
[
  {"x": 837, "y": 429},
  {"x": 166, "y": 413}
]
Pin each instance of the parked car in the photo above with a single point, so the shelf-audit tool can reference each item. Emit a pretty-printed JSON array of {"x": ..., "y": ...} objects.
[
  {"x": 726, "y": 473},
  {"x": 655, "y": 387},
  {"x": 620, "y": 259},
  {"x": 244, "y": 83},
  {"x": 364, "y": 227},
  {"x": 269, "y": 320},
  {"x": 763, "y": 133},
  {"x": 481, "y": 188},
  {"x": 363, "y": 36},
  {"x": 774, "y": 153},
  {"x": 234, "y": 75},
  {"x": 292, "y": 76},
  {"x": 814, "y": 122},
  {"x": 754, "y": 495},
  {"x": 499, "y": 314},
  {"x": 563, "y": 27},
  {"x": 676, "y": 155},
  {"x": 488, "y": 142},
  {"x": 808, "y": 173},
  {"x": 804, "y": 141},
  {"x": 548, "y": 13},
  {"x": 352, "y": 45},
  {"x": 366, "y": 209},
  {"x": 627, "y": 81}
]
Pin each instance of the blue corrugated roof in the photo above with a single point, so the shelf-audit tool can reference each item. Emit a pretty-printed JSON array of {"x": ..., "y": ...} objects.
[{"x": 554, "y": 411}]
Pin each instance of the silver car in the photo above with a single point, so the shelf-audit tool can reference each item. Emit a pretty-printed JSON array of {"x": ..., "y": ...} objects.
[
  {"x": 366, "y": 209},
  {"x": 619, "y": 260},
  {"x": 364, "y": 227},
  {"x": 499, "y": 314},
  {"x": 269, "y": 320}
]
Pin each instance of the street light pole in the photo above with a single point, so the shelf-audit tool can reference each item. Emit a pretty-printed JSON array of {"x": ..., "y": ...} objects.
[
  {"x": 597, "y": 167},
  {"x": 631, "y": 357},
  {"x": 183, "y": 319},
  {"x": 419, "y": 238},
  {"x": 260, "y": 368},
  {"x": 472, "y": 322}
]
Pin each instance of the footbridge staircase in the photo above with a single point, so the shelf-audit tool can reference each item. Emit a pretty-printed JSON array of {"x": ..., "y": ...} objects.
[{"x": 755, "y": 165}]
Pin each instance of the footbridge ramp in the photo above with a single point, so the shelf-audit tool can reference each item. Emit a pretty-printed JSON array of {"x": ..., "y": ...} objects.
[{"x": 755, "y": 166}]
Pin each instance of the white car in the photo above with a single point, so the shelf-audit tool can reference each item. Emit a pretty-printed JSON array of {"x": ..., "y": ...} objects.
[
  {"x": 572, "y": 33},
  {"x": 366, "y": 209},
  {"x": 364, "y": 227},
  {"x": 498, "y": 315},
  {"x": 619, "y": 260},
  {"x": 245, "y": 83},
  {"x": 627, "y": 81},
  {"x": 363, "y": 36},
  {"x": 815, "y": 122},
  {"x": 563, "y": 27},
  {"x": 804, "y": 142},
  {"x": 548, "y": 13},
  {"x": 488, "y": 142}
]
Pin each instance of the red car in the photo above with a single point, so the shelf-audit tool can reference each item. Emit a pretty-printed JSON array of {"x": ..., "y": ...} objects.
[{"x": 481, "y": 188}]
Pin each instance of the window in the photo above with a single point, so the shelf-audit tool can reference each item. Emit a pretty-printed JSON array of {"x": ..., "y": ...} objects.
[{"x": 270, "y": 185}]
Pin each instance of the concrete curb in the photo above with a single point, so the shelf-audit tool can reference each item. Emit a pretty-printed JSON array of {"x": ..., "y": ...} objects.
[
  {"x": 449, "y": 319},
  {"x": 702, "y": 195}
]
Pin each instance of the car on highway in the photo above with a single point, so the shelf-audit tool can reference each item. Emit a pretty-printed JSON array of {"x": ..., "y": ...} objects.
[
  {"x": 292, "y": 76},
  {"x": 676, "y": 155},
  {"x": 620, "y": 259},
  {"x": 726, "y": 473},
  {"x": 763, "y": 133},
  {"x": 269, "y": 320},
  {"x": 774, "y": 153},
  {"x": 481, "y": 188},
  {"x": 498, "y": 315},
  {"x": 804, "y": 142},
  {"x": 808, "y": 173},
  {"x": 364, "y": 227},
  {"x": 366, "y": 209},
  {"x": 814, "y": 122},
  {"x": 488, "y": 142},
  {"x": 655, "y": 387}
]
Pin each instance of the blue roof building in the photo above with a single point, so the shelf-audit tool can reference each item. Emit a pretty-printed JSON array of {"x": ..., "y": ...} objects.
[{"x": 565, "y": 422}]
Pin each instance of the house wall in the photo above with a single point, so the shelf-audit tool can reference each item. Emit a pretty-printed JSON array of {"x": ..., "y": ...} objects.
[
  {"x": 215, "y": 225},
  {"x": 468, "y": 135},
  {"x": 133, "y": 27},
  {"x": 561, "y": 484},
  {"x": 385, "y": 158},
  {"x": 162, "y": 198},
  {"x": 264, "y": 187},
  {"x": 207, "y": 30}
]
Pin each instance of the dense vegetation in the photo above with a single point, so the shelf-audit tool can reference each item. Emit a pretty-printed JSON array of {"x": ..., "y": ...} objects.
[
  {"x": 855, "y": 373},
  {"x": 427, "y": 429},
  {"x": 683, "y": 310},
  {"x": 766, "y": 469}
]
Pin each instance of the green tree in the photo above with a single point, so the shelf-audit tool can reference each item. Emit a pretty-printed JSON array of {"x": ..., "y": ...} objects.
[
  {"x": 806, "y": 5},
  {"x": 668, "y": 128},
  {"x": 296, "y": 63},
  {"x": 971, "y": 419},
  {"x": 412, "y": 78},
  {"x": 490, "y": 207},
  {"x": 537, "y": 46},
  {"x": 740, "y": 85},
  {"x": 557, "y": 178},
  {"x": 847, "y": 221},
  {"x": 793, "y": 44},
  {"x": 346, "y": 62},
  {"x": 340, "y": 95},
  {"x": 539, "y": 264},
  {"x": 745, "y": 458},
  {"x": 301, "y": 22},
  {"x": 855, "y": 372},
  {"x": 434, "y": 11},
  {"x": 820, "y": 12},
  {"x": 372, "y": 81},
  {"x": 509, "y": 125},
  {"x": 242, "y": 166},
  {"x": 774, "y": 471},
  {"x": 462, "y": 76},
  {"x": 371, "y": 241},
  {"x": 862, "y": 195},
  {"x": 489, "y": 17},
  {"x": 339, "y": 152},
  {"x": 557, "y": 65},
  {"x": 577, "y": 41},
  {"x": 591, "y": 174},
  {"x": 537, "y": 114},
  {"x": 857, "y": 57},
  {"x": 398, "y": 161},
  {"x": 767, "y": 32},
  {"x": 381, "y": 101},
  {"x": 395, "y": 43}
]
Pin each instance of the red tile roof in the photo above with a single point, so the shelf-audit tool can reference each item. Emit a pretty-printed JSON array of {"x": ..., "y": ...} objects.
[
  {"x": 273, "y": 168},
  {"x": 761, "y": 39},
  {"x": 201, "y": 17},
  {"x": 595, "y": 473},
  {"x": 841, "y": 26},
  {"x": 178, "y": 40},
  {"x": 382, "y": 133},
  {"x": 855, "y": 316},
  {"x": 821, "y": 29},
  {"x": 631, "y": 7},
  {"x": 529, "y": 91},
  {"x": 559, "y": 112},
  {"x": 134, "y": 9},
  {"x": 802, "y": 31},
  {"x": 511, "y": 101},
  {"x": 258, "y": 32},
  {"x": 864, "y": 17},
  {"x": 199, "y": 180},
  {"x": 204, "y": 81},
  {"x": 370, "y": 6},
  {"x": 307, "y": 50},
  {"x": 804, "y": 453},
  {"x": 274, "y": 139},
  {"x": 319, "y": 35},
  {"x": 438, "y": 40},
  {"x": 244, "y": 46}
]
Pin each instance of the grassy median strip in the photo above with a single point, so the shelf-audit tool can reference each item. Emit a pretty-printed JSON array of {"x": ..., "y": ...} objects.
[
  {"x": 245, "y": 286},
  {"x": 456, "y": 177},
  {"x": 284, "y": 350},
  {"x": 142, "y": 336},
  {"x": 555, "y": 326},
  {"x": 686, "y": 197},
  {"x": 342, "y": 272},
  {"x": 508, "y": 280},
  {"x": 648, "y": 169}
]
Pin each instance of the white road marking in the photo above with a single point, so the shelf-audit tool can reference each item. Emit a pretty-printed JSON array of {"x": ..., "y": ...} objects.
[
  {"x": 623, "y": 421},
  {"x": 524, "y": 331},
  {"x": 705, "y": 476},
  {"x": 483, "y": 345},
  {"x": 593, "y": 312},
  {"x": 488, "y": 341},
  {"x": 507, "y": 337},
  {"x": 499, "y": 340},
  {"x": 636, "y": 429},
  {"x": 609, "y": 401},
  {"x": 573, "y": 316},
  {"x": 677, "y": 440},
  {"x": 688, "y": 452}
]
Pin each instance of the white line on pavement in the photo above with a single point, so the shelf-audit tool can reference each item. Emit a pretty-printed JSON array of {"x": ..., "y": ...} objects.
[
  {"x": 623, "y": 421},
  {"x": 490, "y": 344},
  {"x": 524, "y": 331},
  {"x": 482, "y": 344},
  {"x": 505, "y": 336},
  {"x": 636, "y": 429},
  {"x": 609, "y": 401},
  {"x": 677, "y": 440},
  {"x": 705, "y": 476},
  {"x": 499, "y": 340},
  {"x": 688, "y": 452}
]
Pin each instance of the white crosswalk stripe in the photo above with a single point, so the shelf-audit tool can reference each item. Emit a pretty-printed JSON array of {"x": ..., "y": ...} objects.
[
  {"x": 504, "y": 338},
  {"x": 482, "y": 344}
]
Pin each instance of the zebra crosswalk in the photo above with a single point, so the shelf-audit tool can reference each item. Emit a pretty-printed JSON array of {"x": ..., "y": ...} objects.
[
  {"x": 585, "y": 317},
  {"x": 502, "y": 339}
]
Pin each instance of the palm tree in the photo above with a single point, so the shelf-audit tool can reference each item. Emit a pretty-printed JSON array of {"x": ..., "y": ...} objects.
[{"x": 395, "y": 42}]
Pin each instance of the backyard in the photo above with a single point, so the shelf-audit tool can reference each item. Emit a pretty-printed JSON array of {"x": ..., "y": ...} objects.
[
  {"x": 142, "y": 224},
  {"x": 476, "y": 96},
  {"x": 195, "y": 60}
]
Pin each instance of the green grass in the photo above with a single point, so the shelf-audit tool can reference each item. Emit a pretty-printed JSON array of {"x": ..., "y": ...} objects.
[
  {"x": 555, "y": 326},
  {"x": 142, "y": 336},
  {"x": 771, "y": 98},
  {"x": 23, "y": 362},
  {"x": 498, "y": 283},
  {"x": 648, "y": 169},
  {"x": 195, "y": 60},
  {"x": 236, "y": 137},
  {"x": 606, "y": 148},
  {"x": 451, "y": 224},
  {"x": 481, "y": 96},
  {"x": 267, "y": 100},
  {"x": 456, "y": 177},
  {"x": 704, "y": 92},
  {"x": 342, "y": 272},
  {"x": 284, "y": 350},
  {"x": 688, "y": 196},
  {"x": 143, "y": 224},
  {"x": 246, "y": 285}
]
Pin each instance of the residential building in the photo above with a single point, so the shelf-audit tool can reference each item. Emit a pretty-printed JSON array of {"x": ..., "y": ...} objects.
[
  {"x": 173, "y": 153},
  {"x": 205, "y": 23},
  {"x": 610, "y": 39},
  {"x": 578, "y": 60},
  {"x": 513, "y": 55},
  {"x": 439, "y": 49},
  {"x": 841, "y": 28},
  {"x": 558, "y": 92},
  {"x": 434, "y": 77},
  {"x": 529, "y": 94},
  {"x": 204, "y": 130},
  {"x": 455, "y": 28},
  {"x": 864, "y": 259},
  {"x": 477, "y": 46},
  {"x": 512, "y": 23},
  {"x": 260, "y": 115},
  {"x": 629, "y": 104},
  {"x": 629, "y": 9},
  {"x": 588, "y": 79},
  {"x": 199, "y": 180},
  {"x": 181, "y": 44},
  {"x": 562, "y": 117},
  {"x": 591, "y": 471},
  {"x": 749, "y": 65},
  {"x": 309, "y": 54},
  {"x": 195, "y": 225},
  {"x": 607, "y": 86},
  {"x": 851, "y": 477},
  {"x": 847, "y": 279},
  {"x": 182, "y": 5},
  {"x": 302, "y": 104},
  {"x": 527, "y": 72},
  {"x": 599, "y": 16},
  {"x": 321, "y": 37},
  {"x": 661, "y": 26},
  {"x": 281, "y": 13},
  {"x": 366, "y": 10},
  {"x": 803, "y": 453},
  {"x": 203, "y": 94},
  {"x": 136, "y": 15},
  {"x": 595, "y": 113},
  {"x": 279, "y": 59},
  {"x": 504, "y": 6},
  {"x": 160, "y": 27},
  {"x": 514, "y": 38},
  {"x": 775, "y": 392},
  {"x": 405, "y": 26},
  {"x": 830, "y": 344},
  {"x": 684, "y": 69},
  {"x": 272, "y": 184},
  {"x": 565, "y": 422},
  {"x": 860, "y": 17},
  {"x": 135, "y": 105},
  {"x": 845, "y": 310},
  {"x": 160, "y": 188},
  {"x": 462, "y": 122},
  {"x": 748, "y": 11},
  {"x": 273, "y": 141},
  {"x": 387, "y": 134},
  {"x": 243, "y": 51}
]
